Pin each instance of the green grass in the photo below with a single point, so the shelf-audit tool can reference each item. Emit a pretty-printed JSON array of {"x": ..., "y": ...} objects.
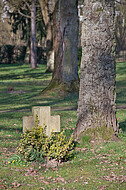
[
  {"x": 92, "y": 167},
  {"x": 121, "y": 94}
]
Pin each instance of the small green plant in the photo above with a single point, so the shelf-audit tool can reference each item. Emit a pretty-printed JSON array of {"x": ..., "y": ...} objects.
[
  {"x": 36, "y": 145},
  {"x": 16, "y": 160}
]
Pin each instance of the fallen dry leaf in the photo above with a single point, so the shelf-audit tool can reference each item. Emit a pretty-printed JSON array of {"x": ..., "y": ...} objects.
[
  {"x": 85, "y": 183},
  {"x": 16, "y": 184},
  {"x": 46, "y": 182},
  {"x": 42, "y": 177},
  {"x": 50, "y": 177},
  {"x": 55, "y": 168},
  {"x": 3, "y": 186},
  {"x": 60, "y": 179},
  {"x": 28, "y": 184},
  {"x": 75, "y": 180}
]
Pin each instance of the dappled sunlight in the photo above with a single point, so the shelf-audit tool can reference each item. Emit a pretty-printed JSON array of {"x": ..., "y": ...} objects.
[{"x": 17, "y": 99}]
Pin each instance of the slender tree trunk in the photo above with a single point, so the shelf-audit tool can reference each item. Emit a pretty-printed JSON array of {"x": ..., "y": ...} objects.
[
  {"x": 47, "y": 7},
  {"x": 96, "y": 106},
  {"x": 28, "y": 54},
  {"x": 65, "y": 40},
  {"x": 49, "y": 48},
  {"x": 33, "y": 37}
]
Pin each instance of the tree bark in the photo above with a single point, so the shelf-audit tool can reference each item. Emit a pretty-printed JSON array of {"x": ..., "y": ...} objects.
[
  {"x": 96, "y": 106},
  {"x": 49, "y": 47},
  {"x": 33, "y": 37},
  {"x": 65, "y": 42},
  {"x": 47, "y": 7}
]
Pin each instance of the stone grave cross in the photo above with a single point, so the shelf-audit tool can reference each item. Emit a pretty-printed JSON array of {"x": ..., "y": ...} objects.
[{"x": 44, "y": 117}]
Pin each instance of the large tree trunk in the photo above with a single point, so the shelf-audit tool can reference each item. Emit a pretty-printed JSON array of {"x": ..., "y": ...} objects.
[
  {"x": 96, "y": 106},
  {"x": 47, "y": 7},
  {"x": 33, "y": 37},
  {"x": 65, "y": 40}
]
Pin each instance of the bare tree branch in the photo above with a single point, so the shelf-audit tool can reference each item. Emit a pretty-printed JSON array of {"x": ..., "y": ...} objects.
[
  {"x": 119, "y": 2},
  {"x": 23, "y": 14},
  {"x": 28, "y": 6}
]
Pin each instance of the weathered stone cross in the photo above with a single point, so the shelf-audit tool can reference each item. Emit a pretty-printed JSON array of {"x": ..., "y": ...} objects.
[{"x": 44, "y": 117}]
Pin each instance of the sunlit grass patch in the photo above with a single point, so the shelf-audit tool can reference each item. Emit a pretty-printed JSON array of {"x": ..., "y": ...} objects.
[{"x": 91, "y": 167}]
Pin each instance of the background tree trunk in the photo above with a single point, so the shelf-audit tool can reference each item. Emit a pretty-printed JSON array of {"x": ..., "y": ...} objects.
[
  {"x": 47, "y": 7},
  {"x": 96, "y": 106},
  {"x": 65, "y": 41},
  {"x": 33, "y": 37},
  {"x": 49, "y": 47}
]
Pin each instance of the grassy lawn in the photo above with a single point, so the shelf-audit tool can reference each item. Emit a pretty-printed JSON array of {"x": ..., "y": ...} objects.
[{"x": 92, "y": 167}]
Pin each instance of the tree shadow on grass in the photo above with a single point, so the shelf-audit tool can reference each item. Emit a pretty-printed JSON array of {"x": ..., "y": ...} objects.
[
  {"x": 23, "y": 75},
  {"x": 122, "y": 125},
  {"x": 121, "y": 68},
  {"x": 58, "y": 104},
  {"x": 121, "y": 92},
  {"x": 21, "y": 71},
  {"x": 12, "y": 129},
  {"x": 10, "y": 134}
]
